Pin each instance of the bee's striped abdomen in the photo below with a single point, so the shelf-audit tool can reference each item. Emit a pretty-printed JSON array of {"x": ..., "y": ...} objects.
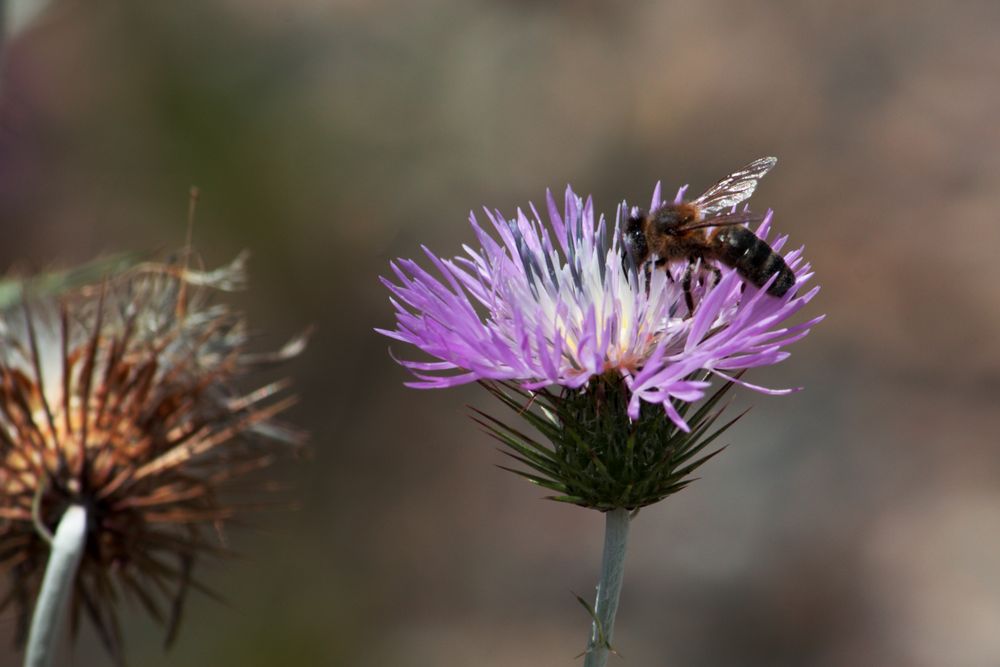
[{"x": 753, "y": 259}]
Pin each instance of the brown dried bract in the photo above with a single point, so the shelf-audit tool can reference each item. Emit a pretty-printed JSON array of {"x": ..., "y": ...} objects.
[{"x": 122, "y": 397}]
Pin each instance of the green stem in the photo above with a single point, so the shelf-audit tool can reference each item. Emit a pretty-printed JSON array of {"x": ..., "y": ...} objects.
[
  {"x": 53, "y": 598},
  {"x": 610, "y": 587}
]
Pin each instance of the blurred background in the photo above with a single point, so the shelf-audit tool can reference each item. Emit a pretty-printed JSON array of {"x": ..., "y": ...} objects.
[{"x": 854, "y": 523}]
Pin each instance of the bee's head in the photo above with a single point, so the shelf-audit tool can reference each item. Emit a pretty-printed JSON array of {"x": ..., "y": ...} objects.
[{"x": 636, "y": 250}]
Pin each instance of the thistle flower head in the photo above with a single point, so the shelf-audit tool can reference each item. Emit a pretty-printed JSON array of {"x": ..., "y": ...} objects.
[
  {"x": 595, "y": 348},
  {"x": 122, "y": 397},
  {"x": 558, "y": 304}
]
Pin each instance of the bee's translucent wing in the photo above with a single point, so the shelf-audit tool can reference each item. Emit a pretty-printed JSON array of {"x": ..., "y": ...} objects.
[
  {"x": 723, "y": 220},
  {"x": 735, "y": 188}
]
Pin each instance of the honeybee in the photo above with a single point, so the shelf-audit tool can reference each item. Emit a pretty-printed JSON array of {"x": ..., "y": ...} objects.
[{"x": 708, "y": 229}]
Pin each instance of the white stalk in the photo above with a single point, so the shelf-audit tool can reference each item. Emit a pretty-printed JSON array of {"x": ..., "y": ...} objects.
[
  {"x": 610, "y": 587},
  {"x": 57, "y": 586}
]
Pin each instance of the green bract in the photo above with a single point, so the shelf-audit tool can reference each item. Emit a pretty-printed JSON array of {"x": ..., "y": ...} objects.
[{"x": 595, "y": 456}]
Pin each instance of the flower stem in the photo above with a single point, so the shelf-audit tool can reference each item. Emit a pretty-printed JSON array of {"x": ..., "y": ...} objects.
[
  {"x": 53, "y": 598},
  {"x": 610, "y": 587}
]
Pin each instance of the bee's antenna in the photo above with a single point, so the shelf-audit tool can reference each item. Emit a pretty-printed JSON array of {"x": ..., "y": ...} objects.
[{"x": 193, "y": 194}]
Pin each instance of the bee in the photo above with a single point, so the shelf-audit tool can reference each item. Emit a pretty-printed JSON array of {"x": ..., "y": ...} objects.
[{"x": 706, "y": 230}]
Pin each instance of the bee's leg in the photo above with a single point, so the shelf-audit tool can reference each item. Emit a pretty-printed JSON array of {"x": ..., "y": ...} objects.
[
  {"x": 662, "y": 264},
  {"x": 647, "y": 268},
  {"x": 686, "y": 286},
  {"x": 717, "y": 273}
]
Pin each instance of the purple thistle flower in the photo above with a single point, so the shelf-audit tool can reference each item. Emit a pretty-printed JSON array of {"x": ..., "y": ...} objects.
[
  {"x": 551, "y": 304},
  {"x": 576, "y": 304}
]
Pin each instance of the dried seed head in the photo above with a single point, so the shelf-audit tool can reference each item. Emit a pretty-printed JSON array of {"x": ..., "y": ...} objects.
[{"x": 122, "y": 397}]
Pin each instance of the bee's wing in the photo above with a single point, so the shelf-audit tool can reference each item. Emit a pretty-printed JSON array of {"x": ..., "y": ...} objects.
[
  {"x": 735, "y": 188},
  {"x": 724, "y": 220}
]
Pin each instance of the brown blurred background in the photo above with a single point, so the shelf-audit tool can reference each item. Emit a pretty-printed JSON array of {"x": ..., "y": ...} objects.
[{"x": 855, "y": 523}]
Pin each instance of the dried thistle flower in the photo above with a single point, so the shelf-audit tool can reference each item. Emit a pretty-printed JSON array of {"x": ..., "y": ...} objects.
[{"x": 121, "y": 397}]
